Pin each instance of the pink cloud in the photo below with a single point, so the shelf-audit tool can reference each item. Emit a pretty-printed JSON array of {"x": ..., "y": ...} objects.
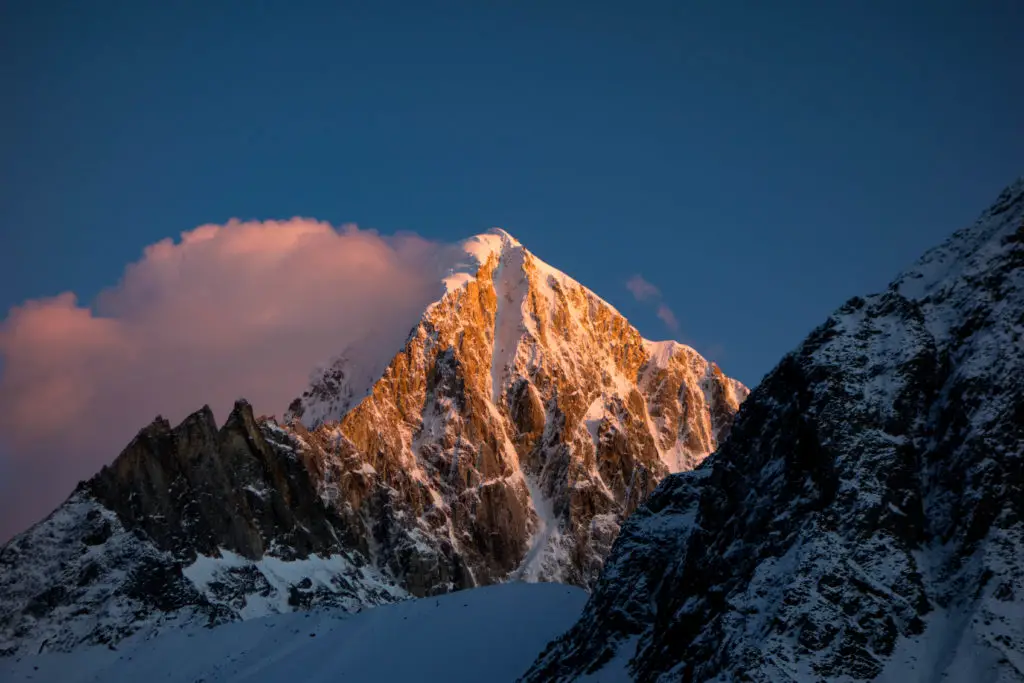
[
  {"x": 668, "y": 317},
  {"x": 242, "y": 309},
  {"x": 641, "y": 289},
  {"x": 714, "y": 352}
]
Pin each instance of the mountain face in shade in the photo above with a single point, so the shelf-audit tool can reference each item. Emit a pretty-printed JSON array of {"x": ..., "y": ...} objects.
[
  {"x": 521, "y": 421},
  {"x": 865, "y": 518}
]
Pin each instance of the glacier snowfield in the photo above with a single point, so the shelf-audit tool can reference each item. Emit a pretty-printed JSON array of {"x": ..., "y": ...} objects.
[{"x": 484, "y": 634}]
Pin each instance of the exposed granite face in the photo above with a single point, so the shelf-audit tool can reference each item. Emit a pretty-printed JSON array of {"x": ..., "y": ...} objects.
[{"x": 864, "y": 520}]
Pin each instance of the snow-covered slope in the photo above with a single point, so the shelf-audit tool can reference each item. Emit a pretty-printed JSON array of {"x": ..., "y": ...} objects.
[
  {"x": 487, "y": 634},
  {"x": 507, "y": 438},
  {"x": 865, "y": 518}
]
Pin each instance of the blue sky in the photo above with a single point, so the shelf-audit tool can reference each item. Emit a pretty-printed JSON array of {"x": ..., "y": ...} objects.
[{"x": 758, "y": 162}]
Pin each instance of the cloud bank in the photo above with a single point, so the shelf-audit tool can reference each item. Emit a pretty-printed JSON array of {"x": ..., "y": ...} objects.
[
  {"x": 644, "y": 291},
  {"x": 242, "y": 309}
]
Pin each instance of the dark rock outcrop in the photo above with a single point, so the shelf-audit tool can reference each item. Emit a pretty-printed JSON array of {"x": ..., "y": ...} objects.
[
  {"x": 196, "y": 489},
  {"x": 864, "y": 519},
  {"x": 179, "y": 530}
]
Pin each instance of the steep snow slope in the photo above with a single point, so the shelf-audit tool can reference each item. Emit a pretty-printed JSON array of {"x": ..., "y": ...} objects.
[
  {"x": 487, "y": 634},
  {"x": 865, "y": 518},
  {"x": 520, "y": 421}
]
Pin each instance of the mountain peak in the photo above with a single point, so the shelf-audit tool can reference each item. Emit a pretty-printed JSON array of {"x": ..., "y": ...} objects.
[
  {"x": 968, "y": 252},
  {"x": 506, "y": 239},
  {"x": 863, "y": 521},
  {"x": 531, "y": 315},
  {"x": 473, "y": 253},
  {"x": 505, "y": 439}
]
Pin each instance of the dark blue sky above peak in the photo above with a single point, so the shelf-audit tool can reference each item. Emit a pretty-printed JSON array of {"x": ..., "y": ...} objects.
[{"x": 759, "y": 163}]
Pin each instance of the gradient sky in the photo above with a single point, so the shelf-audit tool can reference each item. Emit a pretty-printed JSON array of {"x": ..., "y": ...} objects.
[{"x": 758, "y": 163}]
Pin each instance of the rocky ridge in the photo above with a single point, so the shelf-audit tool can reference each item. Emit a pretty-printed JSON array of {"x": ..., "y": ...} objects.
[{"x": 865, "y": 518}]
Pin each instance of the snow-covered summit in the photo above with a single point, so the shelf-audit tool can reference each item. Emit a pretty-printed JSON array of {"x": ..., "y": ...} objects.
[
  {"x": 526, "y": 288},
  {"x": 967, "y": 252},
  {"x": 473, "y": 253},
  {"x": 498, "y": 244},
  {"x": 571, "y": 405}
]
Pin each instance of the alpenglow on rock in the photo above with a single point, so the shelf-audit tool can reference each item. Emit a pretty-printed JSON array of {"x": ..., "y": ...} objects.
[
  {"x": 865, "y": 518},
  {"x": 521, "y": 421}
]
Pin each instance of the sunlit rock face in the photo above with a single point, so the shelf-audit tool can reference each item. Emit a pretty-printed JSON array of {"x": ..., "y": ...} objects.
[
  {"x": 865, "y": 518},
  {"x": 523, "y": 418}
]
